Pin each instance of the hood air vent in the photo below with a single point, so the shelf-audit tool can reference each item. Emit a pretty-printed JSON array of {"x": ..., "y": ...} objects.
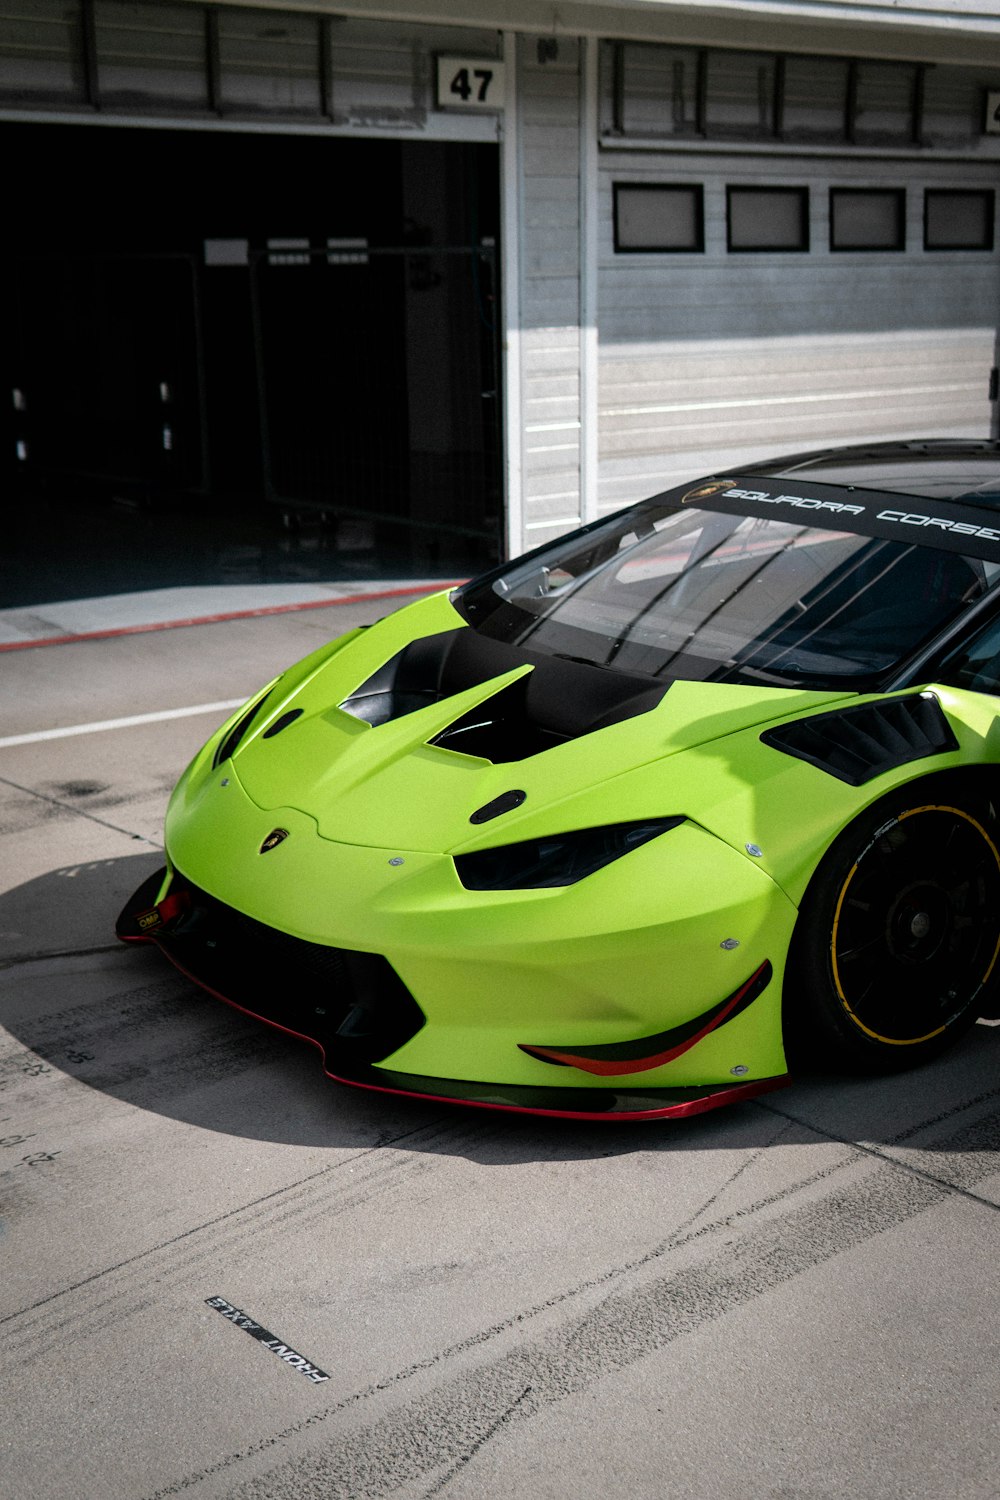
[
  {"x": 506, "y": 802},
  {"x": 282, "y": 723},
  {"x": 559, "y": 700},
  {"x": 858, "y": 744}
]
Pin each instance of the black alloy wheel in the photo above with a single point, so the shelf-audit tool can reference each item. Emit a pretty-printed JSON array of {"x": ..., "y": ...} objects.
[{"x": 899, "y": 934}]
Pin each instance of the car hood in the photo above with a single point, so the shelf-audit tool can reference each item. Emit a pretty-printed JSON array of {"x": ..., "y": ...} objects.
[{"x": 388, "y": 786}]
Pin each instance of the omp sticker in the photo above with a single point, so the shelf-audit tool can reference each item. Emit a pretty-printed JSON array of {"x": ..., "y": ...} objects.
[{"x": 285, "y": 1352}]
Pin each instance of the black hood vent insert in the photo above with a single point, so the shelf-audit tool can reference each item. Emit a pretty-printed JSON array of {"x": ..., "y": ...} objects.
[{"x": 559, "y": 700}]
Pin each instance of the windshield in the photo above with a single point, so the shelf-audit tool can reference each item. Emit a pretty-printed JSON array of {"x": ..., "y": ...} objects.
[{"x": 677, "y": 592}]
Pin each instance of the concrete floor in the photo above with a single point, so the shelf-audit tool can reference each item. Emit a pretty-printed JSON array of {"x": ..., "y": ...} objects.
[{"x": 792, "y": 1299}]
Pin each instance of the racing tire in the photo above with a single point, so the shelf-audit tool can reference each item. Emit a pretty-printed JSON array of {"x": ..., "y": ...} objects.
[{"x": 898, "y": 938}]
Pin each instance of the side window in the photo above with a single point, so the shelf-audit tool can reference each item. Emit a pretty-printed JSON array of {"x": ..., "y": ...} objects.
[{"x": 976, "y": 664}]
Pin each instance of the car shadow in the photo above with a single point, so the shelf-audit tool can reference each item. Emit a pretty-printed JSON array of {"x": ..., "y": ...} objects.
[{"x": 121, "y": 1021}]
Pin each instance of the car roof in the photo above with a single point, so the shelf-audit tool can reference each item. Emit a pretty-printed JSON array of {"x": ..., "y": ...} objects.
[{"x": 935, "y": 468}]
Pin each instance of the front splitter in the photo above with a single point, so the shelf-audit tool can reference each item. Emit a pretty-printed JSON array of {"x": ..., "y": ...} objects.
[{"x": 567, "y": 1103}]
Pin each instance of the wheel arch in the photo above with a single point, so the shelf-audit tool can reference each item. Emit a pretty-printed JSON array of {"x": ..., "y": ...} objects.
[
  {"x": 980, "y": 783},
  {"x": 972, "y": 791}
]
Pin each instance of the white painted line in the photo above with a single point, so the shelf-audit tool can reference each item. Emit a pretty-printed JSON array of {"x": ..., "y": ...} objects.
[
  {"x": 101, "y": 724},
  {"x": 966, "y": 387}
]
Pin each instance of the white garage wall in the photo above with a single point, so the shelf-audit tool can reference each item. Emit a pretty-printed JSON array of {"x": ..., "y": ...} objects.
[
  {"x": 550, "y": 313},
  {"x": 717, "y": 358}
]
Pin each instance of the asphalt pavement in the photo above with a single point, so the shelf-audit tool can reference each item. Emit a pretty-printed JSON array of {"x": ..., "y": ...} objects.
[{"x": 792, "y": 1299}]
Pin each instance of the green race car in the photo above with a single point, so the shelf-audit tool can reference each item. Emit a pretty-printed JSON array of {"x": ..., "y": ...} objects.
[{"x": 611, "y": 829}]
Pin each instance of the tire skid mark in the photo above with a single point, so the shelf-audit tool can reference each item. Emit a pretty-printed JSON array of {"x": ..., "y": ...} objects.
[
  {"x": 105, "y": 1014},
  {"x": 456, "y": 1468},
  {"x": 72, "y": 809},
  {"x": 627, "y": 1325},
  {"x": 32, "y": 1328},
  {"x": 23, "y": 960},
  {"x": 947, "y": 1114},
  {"x": 974, "y": 1149},
  {"x": 103, "y": 796},
  {"x": 677, "y": 1236},
  {"x": 149, "y": 1044},
  {"x": 37, "y": 1337},
  {"x": 28, "y": 817},
  {"x": 678, "y": 1239}
]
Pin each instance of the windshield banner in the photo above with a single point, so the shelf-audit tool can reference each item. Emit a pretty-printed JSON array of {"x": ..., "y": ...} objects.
[{"x": 947, "y": 525}]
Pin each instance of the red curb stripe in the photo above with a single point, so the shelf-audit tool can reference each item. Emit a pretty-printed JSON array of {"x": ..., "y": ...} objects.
[{"x": 236, "y": 614}]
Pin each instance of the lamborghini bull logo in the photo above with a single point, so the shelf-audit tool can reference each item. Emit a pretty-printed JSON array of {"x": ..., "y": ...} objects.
[
  {"x": 706, "y": 490},
  {"x": 275, "y": 837}
]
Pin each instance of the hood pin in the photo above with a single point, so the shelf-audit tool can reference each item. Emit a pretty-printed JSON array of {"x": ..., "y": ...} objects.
[
  {"x": 755, "y": 850},
  {"x": 397, "y": 860}
]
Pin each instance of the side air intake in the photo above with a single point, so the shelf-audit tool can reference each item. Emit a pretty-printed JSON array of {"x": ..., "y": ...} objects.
[{"x": 858, "y": 744}]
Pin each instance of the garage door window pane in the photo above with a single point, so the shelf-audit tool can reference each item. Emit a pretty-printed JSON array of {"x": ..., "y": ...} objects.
[
  {"x": 953, "y": 107},
  {"x": 658, "y": 90},
  {"x": 815, "y": 99},
  {"x": 151, "y": 56},
  {"x": 768, "y": 218},
  {"x": 658, "y": 218},
  {"x": 885, "y": 104},
  {"x": 270, "y": 62},
  {"x": 957, "y": 220},
  {"x": 741, "y": 94},
  {"x": 42, "y": 52},
  {"x": 867, "y": 219}
]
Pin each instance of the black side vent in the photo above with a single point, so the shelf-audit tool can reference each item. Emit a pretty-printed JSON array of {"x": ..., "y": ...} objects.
[
  {"x": 858, "y": 744},
  {"x": 239, "y": 729}
]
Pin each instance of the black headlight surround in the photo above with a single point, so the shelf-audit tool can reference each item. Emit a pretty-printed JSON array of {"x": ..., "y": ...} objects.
[{"x": 558, "y": 860}]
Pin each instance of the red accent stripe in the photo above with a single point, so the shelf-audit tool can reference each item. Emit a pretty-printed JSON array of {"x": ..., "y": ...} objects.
[
  {"x": 668, "y": 1111},
  {"x": 220, "y": 619},
  {"x": 611, "y": 1068}
]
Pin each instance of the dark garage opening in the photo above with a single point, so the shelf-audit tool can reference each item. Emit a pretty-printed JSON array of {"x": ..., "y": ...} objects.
[{"x": 225, "y": 334}]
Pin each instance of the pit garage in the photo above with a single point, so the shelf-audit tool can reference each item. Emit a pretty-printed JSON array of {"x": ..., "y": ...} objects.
[
  {"x": 216, "y": 308},
  {"x": 448, "y": 290}
]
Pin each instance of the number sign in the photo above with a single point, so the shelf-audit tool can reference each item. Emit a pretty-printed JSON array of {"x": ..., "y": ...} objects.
[
  {"x": 993, "y": 114},
  {"x": 469, "y": 83}
]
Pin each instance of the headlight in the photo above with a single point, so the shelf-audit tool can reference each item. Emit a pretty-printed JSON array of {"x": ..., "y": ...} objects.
[{"x": 562, "y": 859}]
